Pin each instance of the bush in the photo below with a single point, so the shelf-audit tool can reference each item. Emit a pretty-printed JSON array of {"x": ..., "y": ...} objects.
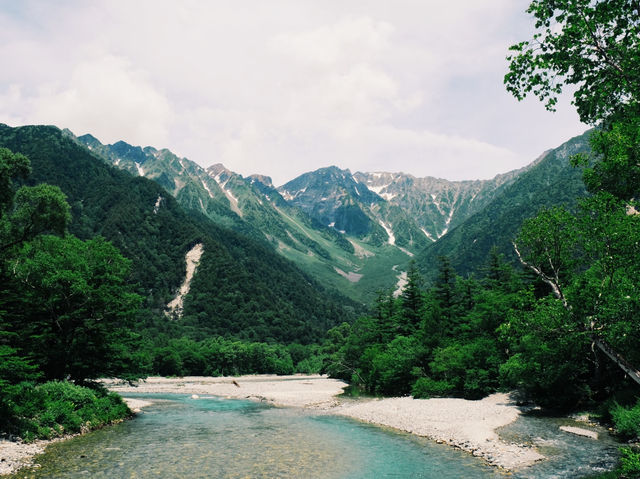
[
  {"x": 629, "y": 463},
  {"x": 59, "y": 407},
  {"x": 627, "y": 420},
  {"x": 425, "y": 388}
]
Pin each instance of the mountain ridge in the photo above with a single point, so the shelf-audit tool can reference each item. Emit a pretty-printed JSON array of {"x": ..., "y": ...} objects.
[{"x": 353, "y": 231}]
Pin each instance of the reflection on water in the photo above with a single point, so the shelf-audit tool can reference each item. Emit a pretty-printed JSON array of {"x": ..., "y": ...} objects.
[{"x": 217, "y": 438}]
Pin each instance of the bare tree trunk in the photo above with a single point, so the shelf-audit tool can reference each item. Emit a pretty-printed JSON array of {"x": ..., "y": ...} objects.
[{"x": 632, "y": 372}]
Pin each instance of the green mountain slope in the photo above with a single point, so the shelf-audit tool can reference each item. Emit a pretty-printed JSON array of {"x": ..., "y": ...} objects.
[
  {"x": 242, "y": 288},
  {"x": 255, "y": 208},
  {"x": 550, "y": 181}
]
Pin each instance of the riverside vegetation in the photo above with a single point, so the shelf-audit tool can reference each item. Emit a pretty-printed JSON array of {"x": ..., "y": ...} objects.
[{"x": 563, "y": 328}]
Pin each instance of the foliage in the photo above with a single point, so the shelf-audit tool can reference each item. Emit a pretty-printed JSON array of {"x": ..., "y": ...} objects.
[
  {"x": 438, "y": 342},
  {"x": 588, "y": 259},
  {"x": 29, "y": 211},
  {"x": 629, "y": 463},
  {"x": 70, "y": 307},
  {"x": 547, "y": 358},
  {"x": 627, "y": 420},
  {"x": 617, "y": 150},
  {"x": 55, "y": 408},
  {"x": 592, "y": 45},
  {"x": 65, "y": 310}
]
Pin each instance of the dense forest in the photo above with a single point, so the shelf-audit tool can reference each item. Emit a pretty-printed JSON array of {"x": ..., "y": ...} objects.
[{"x": 90, "y": 258}]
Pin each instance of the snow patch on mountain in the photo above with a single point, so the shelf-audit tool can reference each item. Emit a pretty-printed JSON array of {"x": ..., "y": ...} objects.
[
  {"x": 140, "y": 169},
  {"x": 447, "y": 222},
  {"x": 388, "y": 196},
  {"x": 427, "y": 234},
  {"x": 392, "y": 238},
  {"x": 405, "y": 251},
  {"x": 206, "y": 187},
  {"x": 378, "y": 189},
  {"x": 227, "y": 192}
]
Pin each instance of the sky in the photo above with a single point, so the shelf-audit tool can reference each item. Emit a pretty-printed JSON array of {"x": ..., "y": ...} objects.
[{"x": 282, "y": 87}]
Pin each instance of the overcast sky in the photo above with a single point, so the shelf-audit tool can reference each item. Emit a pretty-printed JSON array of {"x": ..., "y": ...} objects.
[{"x": 283, "y": 87}]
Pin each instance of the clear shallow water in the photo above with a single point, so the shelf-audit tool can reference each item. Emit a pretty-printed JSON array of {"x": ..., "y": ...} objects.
[{"x": 218, "y": 438}]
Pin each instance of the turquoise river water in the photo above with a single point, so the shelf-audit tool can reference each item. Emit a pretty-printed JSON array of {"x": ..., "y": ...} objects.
[{"x": 221, "y": 438}]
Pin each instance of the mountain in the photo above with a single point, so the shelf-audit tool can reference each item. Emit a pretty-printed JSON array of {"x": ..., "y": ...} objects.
[
  {"x": 253, "y": 207},
  {"x": 549, "y": 181},
  {"x": 396, "y": 208},
  {"x": 436, "y": 205},
  {"x": 241, "y": 288},
  {"x": 354, "y": 232}
]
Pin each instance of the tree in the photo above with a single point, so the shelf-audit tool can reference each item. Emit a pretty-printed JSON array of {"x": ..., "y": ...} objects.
[
  {"x": 617, "y": 151},
  {"x": 546, "y": 245},
  {"x": 38, "y": 209},
  {"x": 73, "y": 310},
  {"x": 593, "y": 45},
  {"x": 29, "y": 211},
  {"x": 12, "y": 167},
  {"x": 411, "y": 301}
]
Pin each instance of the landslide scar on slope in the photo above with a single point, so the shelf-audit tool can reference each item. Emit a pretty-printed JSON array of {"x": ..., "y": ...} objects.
[{"x": 174, "y": 308}]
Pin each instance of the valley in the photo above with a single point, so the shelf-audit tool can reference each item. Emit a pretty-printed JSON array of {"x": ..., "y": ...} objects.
[{"x": 352, "y": 232}]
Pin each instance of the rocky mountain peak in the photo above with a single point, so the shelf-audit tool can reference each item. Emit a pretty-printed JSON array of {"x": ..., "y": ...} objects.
[
  {"x": 262, "y": 179},
  {"x": 220, "y": 172}
]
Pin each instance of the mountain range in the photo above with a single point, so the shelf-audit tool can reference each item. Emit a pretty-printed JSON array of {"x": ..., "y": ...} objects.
[
  {"x": 242, "y": 288},
  {"x": 288, "y": 262},
  {"x": 352, "y": 231}
]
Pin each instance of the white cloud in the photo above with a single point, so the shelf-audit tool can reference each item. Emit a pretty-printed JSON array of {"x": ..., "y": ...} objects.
[
  {"x": 336, "y": 45},
  {"x": 282, "y": 87},
  {"x": 108, "y": 96}
]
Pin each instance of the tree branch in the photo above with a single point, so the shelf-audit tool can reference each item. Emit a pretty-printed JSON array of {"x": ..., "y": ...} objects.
[
  {"x": 632, "y": 372},
  {"x": 555, "y": 287}
]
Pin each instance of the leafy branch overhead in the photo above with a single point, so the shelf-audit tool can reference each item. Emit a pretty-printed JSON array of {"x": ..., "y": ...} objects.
[
  {"x": 593, "y": 46},
  {"x": 589, "y": 258}
]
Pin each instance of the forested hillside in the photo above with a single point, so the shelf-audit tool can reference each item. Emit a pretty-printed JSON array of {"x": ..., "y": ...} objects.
[
  {"x": 551, "y": 181},
  {"x": 242, "y": 288}
]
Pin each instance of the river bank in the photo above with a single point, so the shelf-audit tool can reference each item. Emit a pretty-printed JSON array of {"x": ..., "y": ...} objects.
[
  {"x": 467, "y": 425},
  {"x": 16, "y": 455}
]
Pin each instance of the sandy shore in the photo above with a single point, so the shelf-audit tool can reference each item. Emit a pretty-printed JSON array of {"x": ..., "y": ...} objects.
[
  {"x": 316, "y": 392},
  {"x": 468, "y": 425}
]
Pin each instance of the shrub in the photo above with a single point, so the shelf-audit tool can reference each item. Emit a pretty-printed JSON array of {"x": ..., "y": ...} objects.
[
  {"x": 627, "y": 420},
  {"x": 629, "y": 463},
  {"x": 425, "y": 388},
  {"x": 59, "y": 407}
]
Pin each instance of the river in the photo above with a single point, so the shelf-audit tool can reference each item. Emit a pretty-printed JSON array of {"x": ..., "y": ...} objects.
[{"x": 211, "y": 437}]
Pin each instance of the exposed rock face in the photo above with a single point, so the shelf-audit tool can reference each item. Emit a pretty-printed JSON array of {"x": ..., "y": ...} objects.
[
  {"x": 335, "y": 198},
  {"x": 262, "y": 179},
  {"x": 174, "y": 308}
]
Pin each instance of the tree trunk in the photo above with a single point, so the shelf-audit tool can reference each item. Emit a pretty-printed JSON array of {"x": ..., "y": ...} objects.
[{"x": 632, "y": 372}]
